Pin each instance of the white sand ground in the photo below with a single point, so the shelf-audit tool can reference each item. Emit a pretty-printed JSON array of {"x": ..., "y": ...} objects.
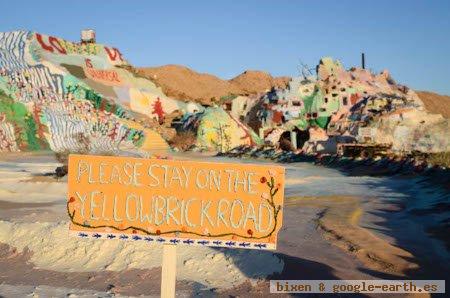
[{"x": 46, "y": 291}]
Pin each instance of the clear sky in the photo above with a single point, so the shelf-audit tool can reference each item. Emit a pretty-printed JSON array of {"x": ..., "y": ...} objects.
[{"x": 410, "y": 38}]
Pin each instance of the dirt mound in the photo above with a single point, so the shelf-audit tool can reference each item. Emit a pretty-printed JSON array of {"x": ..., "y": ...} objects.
[
  {"x": 253, "y": 81},
  {"x": 435, "y": 103},
  {"x": 181, "y": 82}
]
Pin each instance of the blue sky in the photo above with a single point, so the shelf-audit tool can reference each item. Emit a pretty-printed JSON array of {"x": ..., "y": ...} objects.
[{"x": 410, "y": 38}]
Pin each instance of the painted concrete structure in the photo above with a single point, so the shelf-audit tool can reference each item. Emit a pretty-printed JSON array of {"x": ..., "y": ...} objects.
[
  {"x": 78, "y": 96},
  {"x": 338, "y": 102},
  {"x": 218, "y": 130}
]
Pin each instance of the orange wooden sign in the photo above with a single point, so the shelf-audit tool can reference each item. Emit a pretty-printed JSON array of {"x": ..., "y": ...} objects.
[{"x": 175, "y": 201}]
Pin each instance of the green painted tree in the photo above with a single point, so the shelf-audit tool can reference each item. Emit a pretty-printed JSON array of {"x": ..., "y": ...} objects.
[
  {"x": 25, "y": 126},
  {"x": 31, "y": 133}
]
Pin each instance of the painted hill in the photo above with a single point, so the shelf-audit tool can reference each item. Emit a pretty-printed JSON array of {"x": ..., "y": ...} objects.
[
  {"x": 347, "y": 106},
  {"x": 181, "y": 82},
  {"x": 76, "y": 97}
]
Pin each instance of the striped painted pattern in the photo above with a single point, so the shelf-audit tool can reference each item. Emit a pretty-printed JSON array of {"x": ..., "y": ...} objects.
[{"x": 7, "y": 138}]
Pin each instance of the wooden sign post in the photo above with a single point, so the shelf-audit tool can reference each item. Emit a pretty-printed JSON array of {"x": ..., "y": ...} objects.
[
  {"x": 175, "y": 203},
  {"x": 169, "y": 270}
]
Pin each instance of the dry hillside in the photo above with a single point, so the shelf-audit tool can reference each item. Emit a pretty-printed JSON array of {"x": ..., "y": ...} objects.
[
  {"x": 183, "y": 83},
  {"x": 435, "y": 103},
  {"x": 252, "y": 81}
]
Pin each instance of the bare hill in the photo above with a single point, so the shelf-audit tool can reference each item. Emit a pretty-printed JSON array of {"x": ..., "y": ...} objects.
[
  {"x": 181, "y": 82},
  {"x": 253, "y": 81},
  {"x": 435, "y": 103}
]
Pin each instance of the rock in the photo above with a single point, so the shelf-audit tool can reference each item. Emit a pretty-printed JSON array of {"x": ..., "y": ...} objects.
[{"x": 61, "y": 171}]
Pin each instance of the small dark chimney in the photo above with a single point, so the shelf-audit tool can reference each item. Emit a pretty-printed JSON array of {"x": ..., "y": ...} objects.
[{"x": 363, "y": 61}]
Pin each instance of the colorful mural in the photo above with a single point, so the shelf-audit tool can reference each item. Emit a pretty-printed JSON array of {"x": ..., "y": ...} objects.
[
  {"x": 220, "y": 131},
  {"x": 338, "y": 102},
  {"x": 74, "y": 97},
  {"x": 105, "y": 70},
  {"x": 318, "y": 101},
  {"x": 19, "y": 127}
]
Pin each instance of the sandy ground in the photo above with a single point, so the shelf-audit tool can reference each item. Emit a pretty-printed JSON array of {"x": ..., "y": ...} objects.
[{"x": 335, "y": 227}]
